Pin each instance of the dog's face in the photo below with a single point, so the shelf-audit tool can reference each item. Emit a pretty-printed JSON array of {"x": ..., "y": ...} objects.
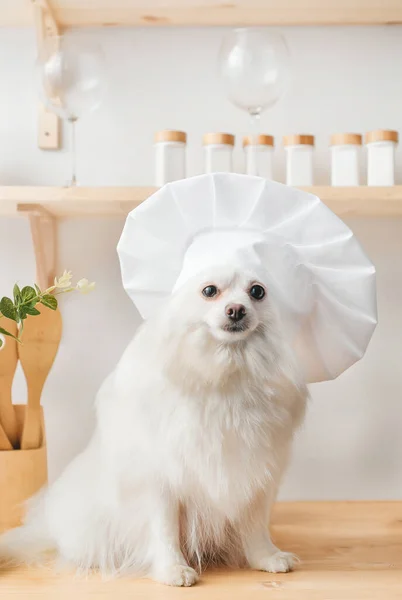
[{"x": 230, "y": 303}]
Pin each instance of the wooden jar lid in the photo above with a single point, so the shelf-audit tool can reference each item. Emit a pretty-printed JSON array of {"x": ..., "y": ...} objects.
[
  {"x": 169, "y": 135},
  {"x": 298, "y": 140},
  {"x": 382, "y": 135},
  {"x": 346, "y": 139},
  {"x": 259, "y": 140},
  {"x": 218, "y": 138}
]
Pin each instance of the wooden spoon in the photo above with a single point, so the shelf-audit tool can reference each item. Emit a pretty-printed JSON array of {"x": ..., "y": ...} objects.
[
  {"x": 40, "y": 342},
  {"x": 8, "y": 365}
]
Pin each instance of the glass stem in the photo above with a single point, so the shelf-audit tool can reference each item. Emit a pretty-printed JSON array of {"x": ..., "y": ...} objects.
[
  {"x": 73, "y": 121},
  {"x": 255, "y": 124},
  {"x": 252, "y": 168}
]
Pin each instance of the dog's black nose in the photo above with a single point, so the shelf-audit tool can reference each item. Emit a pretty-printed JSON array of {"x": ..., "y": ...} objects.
[{"x": 236, "y": 312}]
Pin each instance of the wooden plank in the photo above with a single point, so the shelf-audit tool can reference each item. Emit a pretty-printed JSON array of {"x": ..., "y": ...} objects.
[
  {"x": 66, "y": 202},
  {"x": 48, "y": 129},
  {"x": 15, "y": 13},
  {"x": 74, "y": 201},
  {"x": 362, "y": 201},
  {"x": 208, "y": 12},
  {"x": 348, "y": 550},
  {"x": 46, "y": 31}
]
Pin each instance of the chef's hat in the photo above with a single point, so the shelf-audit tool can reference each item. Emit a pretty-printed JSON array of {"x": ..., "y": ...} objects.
[{"x": 323, "y": 282}]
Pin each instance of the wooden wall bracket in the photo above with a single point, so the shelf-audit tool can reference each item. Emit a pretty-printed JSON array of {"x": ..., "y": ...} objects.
[
  {"x": 47, "y": 32},
  {"x": 44, "y": 237}
]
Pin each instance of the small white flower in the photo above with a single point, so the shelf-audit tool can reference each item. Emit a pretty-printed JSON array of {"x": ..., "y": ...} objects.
[
  {"x": 64, "y": 281},
  {"x": 84, "y": 286},
  {"x": 2, "y": 341}
]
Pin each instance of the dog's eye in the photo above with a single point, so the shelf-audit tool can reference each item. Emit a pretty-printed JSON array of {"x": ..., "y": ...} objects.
[
  {"x": 210, "y": 291},
  {"x": 257, "y": 292}
]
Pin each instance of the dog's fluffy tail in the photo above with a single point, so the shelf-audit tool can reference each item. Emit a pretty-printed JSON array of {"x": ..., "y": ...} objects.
[
  {"x": 24, "y": 544},
  {"x": 27, "y": 543}
]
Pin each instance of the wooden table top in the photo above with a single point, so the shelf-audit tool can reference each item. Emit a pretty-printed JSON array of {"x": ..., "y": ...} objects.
[{"x": 348, "y": 551}]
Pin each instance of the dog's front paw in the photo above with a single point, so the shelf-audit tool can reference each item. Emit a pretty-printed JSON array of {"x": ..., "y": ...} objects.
[
  {"x": 279, "y": 562},
  {"x": 178, "y": 575}
]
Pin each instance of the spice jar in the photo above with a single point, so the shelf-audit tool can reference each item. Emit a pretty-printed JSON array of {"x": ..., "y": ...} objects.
[
  {"x": 381, "y": 146},
  {"x": 345, "y": 153},
  {"x": 259, "y": 155},
  {"x": 218, "y": 152},
  {"x": 170, "y": 156},
  {"x": 299, "y": 159}
]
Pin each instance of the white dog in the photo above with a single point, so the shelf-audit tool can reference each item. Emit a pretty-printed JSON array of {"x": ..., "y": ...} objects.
[{"x": 193, "y": 432}]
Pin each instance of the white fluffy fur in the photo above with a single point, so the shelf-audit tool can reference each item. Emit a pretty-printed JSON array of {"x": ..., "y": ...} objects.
[{"x": 194, "y": 429}]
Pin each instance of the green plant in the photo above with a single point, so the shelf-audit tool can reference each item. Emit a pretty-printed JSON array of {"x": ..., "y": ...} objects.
[{"x": 25, "y": 300}]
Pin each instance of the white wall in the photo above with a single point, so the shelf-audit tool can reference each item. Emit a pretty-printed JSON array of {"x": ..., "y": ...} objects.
[{"x": 344, "y": 79}]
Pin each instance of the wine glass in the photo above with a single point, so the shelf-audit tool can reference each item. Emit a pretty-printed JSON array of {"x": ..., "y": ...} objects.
[
  {"x": 71, "y": 80},
  {"x": 255, "y": 68}
]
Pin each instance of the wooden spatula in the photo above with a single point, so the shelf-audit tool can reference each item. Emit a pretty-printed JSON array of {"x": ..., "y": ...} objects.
[
  {"x": 8, "y": 365},
  {"x": 40, "y": 342},
  {"x": 5, "y": 443}
]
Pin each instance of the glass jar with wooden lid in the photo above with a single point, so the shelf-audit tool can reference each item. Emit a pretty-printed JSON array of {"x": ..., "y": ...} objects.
[
  {"x": 299, "y": 159},
  {"x": 345, "y": 159},
  {"x": 381, "y": 145},
  {"x": 218, "y": 149},
  {"x": 258, "y": 150},
  {"x": 170, "y": 156}
]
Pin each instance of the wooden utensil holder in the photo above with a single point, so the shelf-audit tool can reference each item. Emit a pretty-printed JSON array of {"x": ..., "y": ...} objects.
[{"x": 22, "y": 474}]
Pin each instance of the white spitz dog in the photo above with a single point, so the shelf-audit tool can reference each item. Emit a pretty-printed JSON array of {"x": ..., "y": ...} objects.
[{"x": 194, "y": 429}]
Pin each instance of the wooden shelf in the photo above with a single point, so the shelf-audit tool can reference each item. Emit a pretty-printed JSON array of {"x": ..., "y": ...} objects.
[
  {"x": 362, "y": 201},
  {"x": 62, "y": 202},
  {"x": 83, "y": 13},
  {"x": 347, "y": 550}
]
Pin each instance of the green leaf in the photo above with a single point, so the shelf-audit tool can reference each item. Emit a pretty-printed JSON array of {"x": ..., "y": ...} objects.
[
  {"x": 27, "y": 293},
  {"x": 32, "y": 311},
  {"x": 22, "y": 312},
  {"x": 33, "y": 303},
  {"x": 5, "y": 332},
  {"x": 17, "y": 294},
  {"x": 27, "y": 309},
  {"x": 49, "y": 301},
  {"x": 38, "y": 290},
  {"x": 7, "y": 309}
]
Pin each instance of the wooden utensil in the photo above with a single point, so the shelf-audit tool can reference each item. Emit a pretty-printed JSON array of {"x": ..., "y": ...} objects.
[
  {"x": 41, "y": 338},
  {"x": 5, "y": 443},
  {"x": 8, "y": 365}
]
